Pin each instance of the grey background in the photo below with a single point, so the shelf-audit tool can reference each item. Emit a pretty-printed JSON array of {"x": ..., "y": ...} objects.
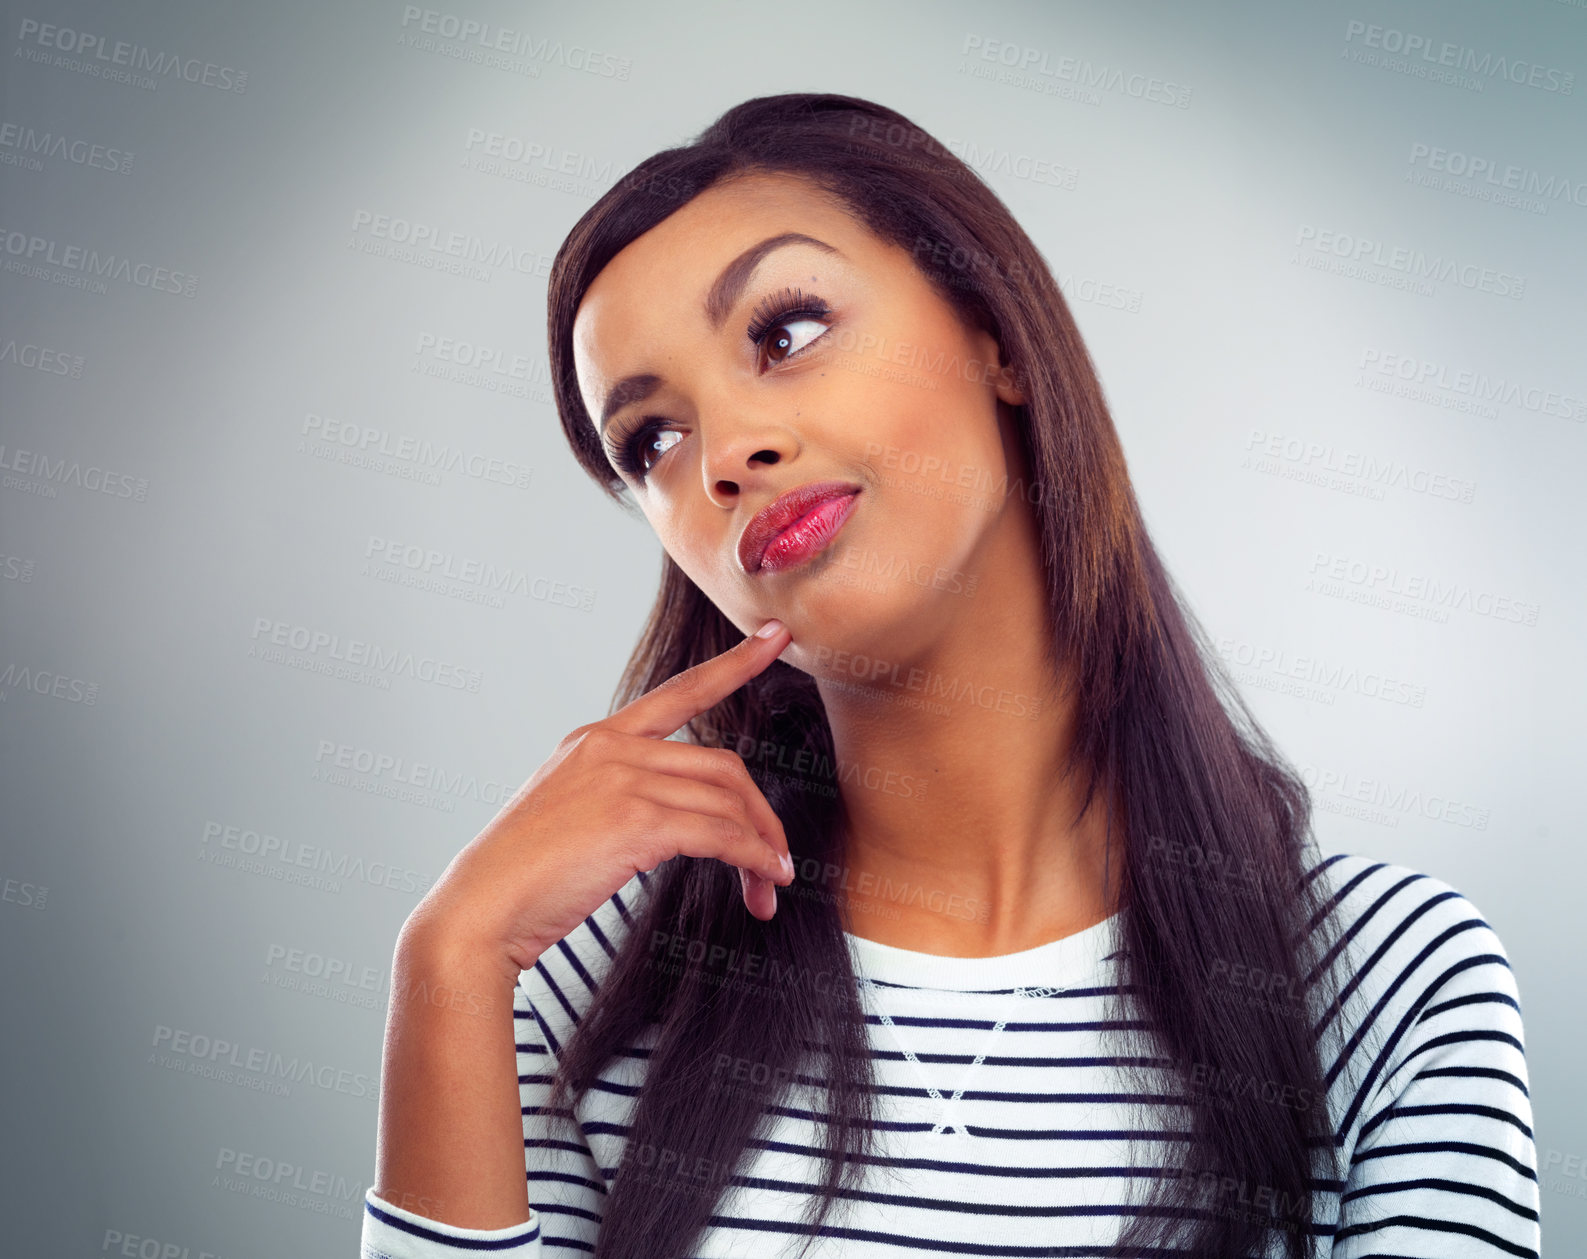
[{"x": 151, "y": 734}]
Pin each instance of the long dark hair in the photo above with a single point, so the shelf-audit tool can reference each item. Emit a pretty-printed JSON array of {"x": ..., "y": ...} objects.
[{"x": 1212, "y": 828}]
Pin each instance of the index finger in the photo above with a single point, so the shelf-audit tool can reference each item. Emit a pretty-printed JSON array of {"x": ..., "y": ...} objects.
[{"x": 663, "y": 710}]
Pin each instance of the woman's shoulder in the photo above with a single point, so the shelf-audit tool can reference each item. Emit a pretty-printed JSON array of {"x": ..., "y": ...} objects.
[
  {"x": 1424, "y": 980},
  {"x": 1381, "y": 909},
  {"x": 1429, "y": 1089},
  {"x": 559, "y": 987}
]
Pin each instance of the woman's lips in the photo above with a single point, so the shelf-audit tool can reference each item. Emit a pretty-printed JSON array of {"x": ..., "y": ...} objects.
[{"x": 808, "y": 535}]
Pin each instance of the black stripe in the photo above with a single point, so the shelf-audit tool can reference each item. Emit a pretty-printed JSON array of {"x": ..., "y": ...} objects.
[
  {"x": 1469, "y": 1036},
  {"x": 986, "y": 1025},
  {"x": 1448, "y": 1108},
  {"x": 1445, "y": 1147},
  {"x": 1489, "y": 1073},
  {"x": 1476, "y": 998},
  {"x": 1437, "y": 1226},
  {"x": 1447, "y": 1186}
]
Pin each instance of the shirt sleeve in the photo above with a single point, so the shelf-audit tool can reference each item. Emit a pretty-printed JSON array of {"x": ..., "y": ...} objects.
[
  {"x": 563, "y": 1182},
  {"x": 393, "y": 1233},
  {"x": 1444, "y": 1163}
]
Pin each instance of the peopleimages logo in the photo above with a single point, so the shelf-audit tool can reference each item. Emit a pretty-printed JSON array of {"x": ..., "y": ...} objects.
[
  {"x": 1417, "y": 594},
  {"x": 30, "y": 254},
  {"x": 46, "y": 682},
  {"x": 253, "y": 1066},
  {"x": 1443, "y": 54},
  {"x": 66, "y": 471},
  {"x": 1363, "y": 251},
  {"x": 41, "y": 358},
  {"x": 1322, "y": 671},
  {"x": 1283, "y": 454},
  {"x": 391, "y": 559},
  {"x": 1028, "y": 66},
  {"x": 292, "y": 1184},
  {"x": 379, "y": 448},
  {"x": 1479, "y": 388},
  {"x": 1391, "y": 800},
  {"x": 323, "y": 651},
  {"x": 23, "y": 146},
  {"x": 480, "y": 38},
  {"x": 410, "y": 241},
  {"x": 533, "y": 152},
  {"x": 293, "y": 861},
  {"x": 1504, "y": 175},
  {"x": 330, "y": 755},
  {"x": 135, "y": 63}
]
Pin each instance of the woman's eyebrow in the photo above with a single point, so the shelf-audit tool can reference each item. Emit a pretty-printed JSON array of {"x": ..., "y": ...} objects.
[
  {"x": 626, "y": 392},
  {"x": 736, "y": 274},
  {"x": 718, "y": 302}
]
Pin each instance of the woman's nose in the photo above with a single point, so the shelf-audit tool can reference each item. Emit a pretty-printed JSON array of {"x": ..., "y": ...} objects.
[{"x": 738, "y": 453}]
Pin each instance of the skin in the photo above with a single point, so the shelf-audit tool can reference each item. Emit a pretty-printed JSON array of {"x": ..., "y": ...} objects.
[{"x": 975, "y": 815}]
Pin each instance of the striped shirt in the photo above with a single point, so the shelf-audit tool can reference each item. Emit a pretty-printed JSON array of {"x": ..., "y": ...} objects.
[{"x": 1005, "y": 1123}]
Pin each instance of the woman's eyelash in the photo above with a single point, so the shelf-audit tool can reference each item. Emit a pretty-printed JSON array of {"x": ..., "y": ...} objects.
[
  {"x": 772, "y": 312},
  {"x": 779, "y": 308},
  {"x": 626, "y": 452}
]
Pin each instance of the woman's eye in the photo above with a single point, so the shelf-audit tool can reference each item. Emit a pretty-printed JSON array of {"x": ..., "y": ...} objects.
[
  {"x": 655, "y": 444},
  {"x": 780, "y": 344},
  {"x": 637, "y": 453}
]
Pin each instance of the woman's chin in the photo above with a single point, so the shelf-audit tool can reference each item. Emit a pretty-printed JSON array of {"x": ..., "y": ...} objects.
[{"x": 835, "y": 626}]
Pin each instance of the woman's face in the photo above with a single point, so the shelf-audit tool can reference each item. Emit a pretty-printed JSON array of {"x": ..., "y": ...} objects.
[{"x": 863, "y": 376}]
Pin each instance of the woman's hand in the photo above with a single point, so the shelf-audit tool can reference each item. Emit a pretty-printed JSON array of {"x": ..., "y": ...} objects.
[{"x": 615, "y": 797}]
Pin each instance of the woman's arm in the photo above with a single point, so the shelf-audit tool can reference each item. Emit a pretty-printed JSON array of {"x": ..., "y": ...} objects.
[
  {"x": 1445, "y": 1163},
  {"x": 451, "y": 1139},
  {"x": 566, "y": 1186}
]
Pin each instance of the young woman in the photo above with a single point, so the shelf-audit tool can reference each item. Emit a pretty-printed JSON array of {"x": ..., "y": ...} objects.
[{"x": 973, "y": 913}]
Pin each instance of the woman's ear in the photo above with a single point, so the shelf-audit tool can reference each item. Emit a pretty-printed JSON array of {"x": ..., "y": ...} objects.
[{"x": 1005, "y": 377}]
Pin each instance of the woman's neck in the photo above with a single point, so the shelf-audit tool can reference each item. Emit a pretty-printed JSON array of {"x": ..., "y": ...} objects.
[{"x": 959, "y": 826}]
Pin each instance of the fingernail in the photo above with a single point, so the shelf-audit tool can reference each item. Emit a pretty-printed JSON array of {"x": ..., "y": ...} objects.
[
  {"x": 768, "y": 629},
  {"x": 787, "y": 865}
]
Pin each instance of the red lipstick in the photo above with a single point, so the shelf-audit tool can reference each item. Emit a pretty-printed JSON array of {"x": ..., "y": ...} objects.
[{"x": 796, "y": 525}]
